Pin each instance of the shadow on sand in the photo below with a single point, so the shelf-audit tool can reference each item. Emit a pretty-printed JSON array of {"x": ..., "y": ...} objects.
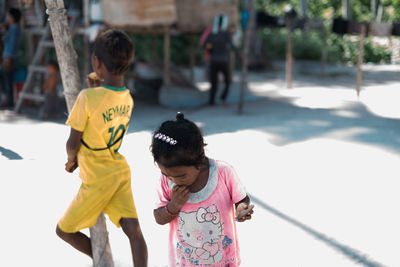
[
  {"x": 286, "y": 121},
  {"x": 349, "y": 252},
  {"x": 9, "y": 153}
]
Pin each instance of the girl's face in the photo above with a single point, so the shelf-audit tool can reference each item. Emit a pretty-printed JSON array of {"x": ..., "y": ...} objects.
[{"x": 181, "y": 175}]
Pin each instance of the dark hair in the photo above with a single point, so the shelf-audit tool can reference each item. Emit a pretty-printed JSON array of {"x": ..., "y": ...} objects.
[
  {"x": 15, "y": 13},
  {"x": 54, "y": 64},
  {"x": 115, "y": 49},
  {"x": 220, "y": 20},
  {"x": 189, "y": 148}
]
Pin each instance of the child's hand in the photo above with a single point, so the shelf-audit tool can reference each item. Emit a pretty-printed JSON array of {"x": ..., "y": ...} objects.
[
  {"x": 71, "y": 165},
  {"x": 93, "y": 80},
  {"x": 179, "y": 196},
  {"x": 243, "y": 212}
]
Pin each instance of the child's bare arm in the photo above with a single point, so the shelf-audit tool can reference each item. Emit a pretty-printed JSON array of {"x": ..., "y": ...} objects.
[
  {"x": 244, "y": 209},
  {"x": 93, "y": 80},
  {"x": 73, "y": 145},
  {"x": 163, "y": 216},
  {"x": 179, "y": 196}
]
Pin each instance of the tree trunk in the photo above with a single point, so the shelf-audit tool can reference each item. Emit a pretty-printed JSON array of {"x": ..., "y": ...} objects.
[
  {"x": 379, "y": 13},
  {"x": 167, "y": 40},
  {"x": 250, "y": 25},
  {"x": 192, "y": 57},
  {"x": 86, "y": 44},
  {"x": 373, "y": 9},
  {"x": 346, "y": 9},
  {"x": 101, "y": 249},
  {"x": 289, "y": 54},
  {"x": 304, "y": 8},
  {"x": 360, "y": 59},
  {"x": 66, "y": 55},
  {"x": 67, "y": 60}
]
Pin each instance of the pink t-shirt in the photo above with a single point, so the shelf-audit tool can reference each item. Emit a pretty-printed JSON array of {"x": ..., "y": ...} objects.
[{"x": 204, "y": 233}]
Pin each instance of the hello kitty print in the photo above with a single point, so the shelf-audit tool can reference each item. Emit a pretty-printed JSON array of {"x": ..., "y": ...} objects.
[
  {"x": 201, "y": 231},
  {"x": 204, "y": 233}
]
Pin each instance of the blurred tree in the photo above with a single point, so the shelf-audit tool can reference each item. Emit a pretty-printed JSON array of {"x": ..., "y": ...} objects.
[{"x": 360, "y": 9}]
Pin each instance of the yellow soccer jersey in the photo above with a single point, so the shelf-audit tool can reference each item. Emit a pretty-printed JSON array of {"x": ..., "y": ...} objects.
[{"x": 102, "y": 114}]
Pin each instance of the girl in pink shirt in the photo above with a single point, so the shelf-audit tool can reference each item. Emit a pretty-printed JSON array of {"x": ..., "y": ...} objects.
[{"x": 199, "y": 197}]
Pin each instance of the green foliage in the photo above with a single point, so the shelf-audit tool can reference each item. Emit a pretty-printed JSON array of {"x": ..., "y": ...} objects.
[
  {"x": 340, "y": 49},
  {"x": 360, "y": 9},
  {"x": 180, "y": 48},
  {"x": 308, "y": 46},
  {"x": 392, "y": 10},
  {"x": 375, "y": 54},
  {"x": 274, "y": 43}
]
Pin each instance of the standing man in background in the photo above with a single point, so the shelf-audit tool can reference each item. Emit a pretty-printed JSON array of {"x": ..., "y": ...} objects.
[
  {"x": 10, "y": 56},
  {"x": 219, "y": 43}
]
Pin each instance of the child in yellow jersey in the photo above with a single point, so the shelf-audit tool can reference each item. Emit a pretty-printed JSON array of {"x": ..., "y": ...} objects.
[{"x": 98, "y": 122}]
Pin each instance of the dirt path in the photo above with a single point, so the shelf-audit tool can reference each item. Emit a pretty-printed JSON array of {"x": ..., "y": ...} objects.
[{"x": 321, "y": 164}]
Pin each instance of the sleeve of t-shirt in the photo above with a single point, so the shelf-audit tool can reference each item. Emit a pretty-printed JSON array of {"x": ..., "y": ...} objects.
[
  {"x": 11, "y": 46},
  {"x": 79, "y": 114},
  {"x": 163, "y": 193},
  {"x": 233, "y": 183}
]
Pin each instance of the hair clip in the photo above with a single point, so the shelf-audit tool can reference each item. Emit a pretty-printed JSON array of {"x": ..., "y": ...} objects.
[{"x": 165, "y": 138}]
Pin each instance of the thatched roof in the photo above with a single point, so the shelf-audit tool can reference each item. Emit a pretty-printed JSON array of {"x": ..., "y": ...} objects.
[
  {"x": 139, "y": 13},
  {"x": 196, "y": 15},
  {"x": 190, "y": 16}
]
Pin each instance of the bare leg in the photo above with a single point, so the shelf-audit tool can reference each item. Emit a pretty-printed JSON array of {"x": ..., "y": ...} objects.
[
  {"x": 132, "y": 230},
  {"x": 227, "y": 80},
  {"x": 78, "y": 240},
  {"x": 214, "y": 83}
]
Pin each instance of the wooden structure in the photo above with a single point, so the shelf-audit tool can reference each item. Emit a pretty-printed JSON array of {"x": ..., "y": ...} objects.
[
  {"x": 139, "y": 15},
  {"x": 151, "y": 16},
  {"x": 155, "y": 17},
  {"x": 32, "y": 20},
  {"x": 36, "y": 66},
  {"x": 166, "y": 18},
  {"x": 32, "y": 12},
  {"x": 248, "y": 31},
  {"x": 194, "y": 16}
]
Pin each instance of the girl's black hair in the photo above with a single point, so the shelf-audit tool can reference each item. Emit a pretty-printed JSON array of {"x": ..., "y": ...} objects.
[
  {"x": 115, "y": 49},
  {"x": 189, "y": 149}
]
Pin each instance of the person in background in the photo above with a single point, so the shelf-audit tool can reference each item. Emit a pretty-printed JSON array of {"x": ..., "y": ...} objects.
[
  {"x": 219, "y": 43},
  {"x": 50, "y": 91},
  {"x": 9, "y": 56}
]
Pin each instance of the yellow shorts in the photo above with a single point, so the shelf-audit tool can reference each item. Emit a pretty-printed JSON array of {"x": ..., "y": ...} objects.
[{"x": 113, "y": 197}]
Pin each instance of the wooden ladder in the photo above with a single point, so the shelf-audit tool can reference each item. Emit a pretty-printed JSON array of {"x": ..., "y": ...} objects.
[
  {"x": 27, "y": 92},
  {"x": 45, "y": 41}
]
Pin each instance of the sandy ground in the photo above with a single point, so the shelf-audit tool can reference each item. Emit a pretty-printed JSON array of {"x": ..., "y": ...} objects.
[{"x": 320, "y": 164}]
